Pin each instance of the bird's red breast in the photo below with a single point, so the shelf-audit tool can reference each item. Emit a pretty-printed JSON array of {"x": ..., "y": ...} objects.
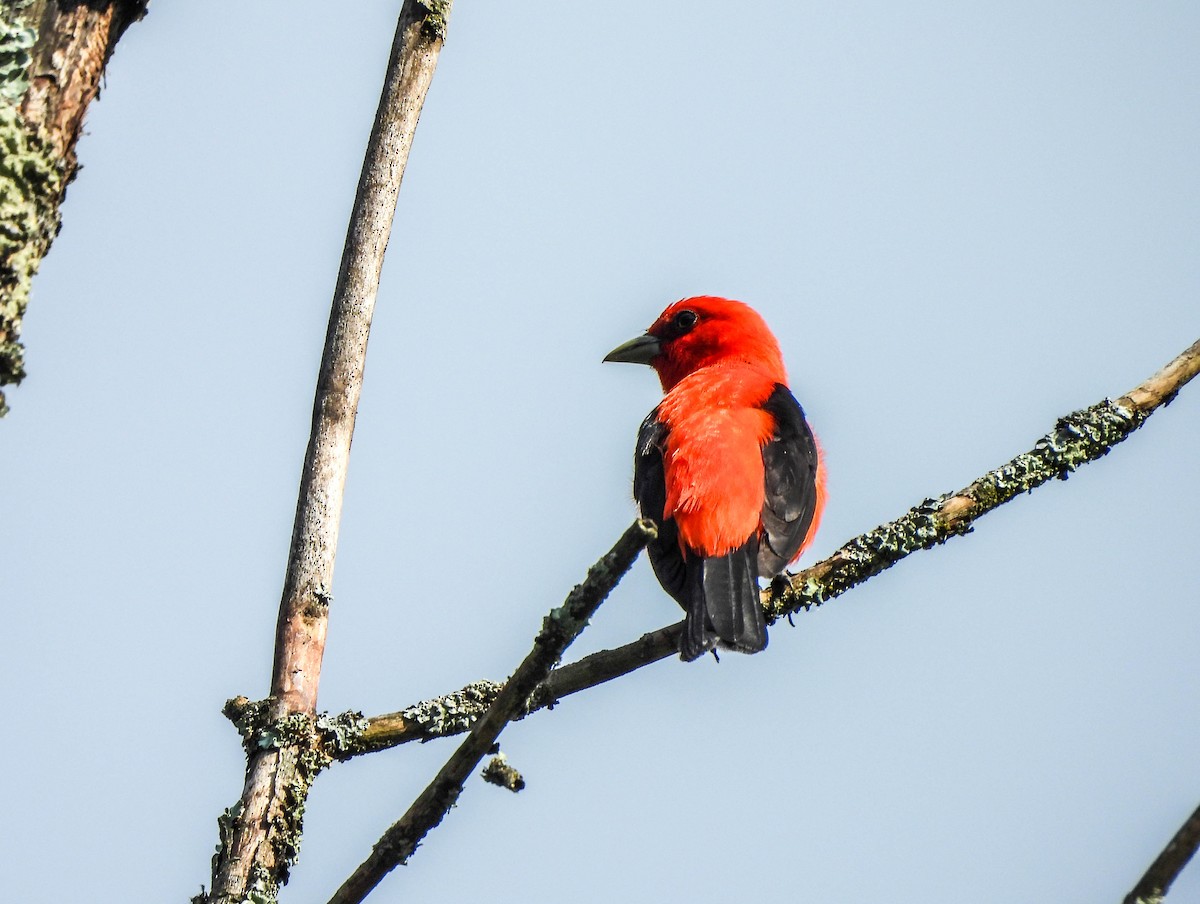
[{"x": 713, "y": 458}]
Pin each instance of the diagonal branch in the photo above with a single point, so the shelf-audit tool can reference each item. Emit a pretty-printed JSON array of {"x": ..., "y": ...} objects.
[
  {"x": 1076, "y": 439},
  {"x": 260, "y": 835},
  {"x": 559, "y": 629},
  {"x": 52, "y": 59},
  {"x": 1165, "y": 869}
]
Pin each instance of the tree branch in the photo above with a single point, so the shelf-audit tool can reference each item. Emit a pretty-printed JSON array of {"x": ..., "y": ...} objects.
[
  {"x": 559, "y": 629},
  {"x": 261, "y": 834},
  {"x": 52, "y": 57},
  {"x": 1076, "y": 439},
  {"x": 1153, "y": 886}
]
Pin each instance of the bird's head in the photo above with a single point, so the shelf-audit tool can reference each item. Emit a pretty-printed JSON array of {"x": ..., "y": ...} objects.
[{"x": 700, "y": 332}]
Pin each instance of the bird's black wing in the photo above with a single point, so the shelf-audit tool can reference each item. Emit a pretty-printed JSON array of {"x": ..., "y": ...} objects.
[
  {"x": 790, "y": 466},
  {"x": 650, "y": 491}
]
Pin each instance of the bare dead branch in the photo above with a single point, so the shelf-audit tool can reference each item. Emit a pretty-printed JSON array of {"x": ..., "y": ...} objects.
[
  {"x": 559, "y": 629},
  {"x": 303, "y": 614},
  {"x": 260, "y": 835},
  {"x": 1165, "y": 869},
  {"x": 1076, "y": 439}
]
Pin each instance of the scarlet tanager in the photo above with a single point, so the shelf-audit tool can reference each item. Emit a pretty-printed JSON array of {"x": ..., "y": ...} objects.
[{"x": 726, "y": 465}]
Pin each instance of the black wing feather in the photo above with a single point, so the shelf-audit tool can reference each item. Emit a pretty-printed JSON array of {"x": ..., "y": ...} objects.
[
  {"x": 650, "y": 491},
  {"x": 790, "y": 466},
  {"x": 731, "y": 601}
]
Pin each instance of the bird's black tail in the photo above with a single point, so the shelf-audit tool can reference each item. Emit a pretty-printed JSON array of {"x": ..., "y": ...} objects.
[{"x": 722, "y": 602}]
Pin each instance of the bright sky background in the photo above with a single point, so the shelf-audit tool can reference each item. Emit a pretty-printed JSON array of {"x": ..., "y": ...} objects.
[{"x": 962, "y": 221}]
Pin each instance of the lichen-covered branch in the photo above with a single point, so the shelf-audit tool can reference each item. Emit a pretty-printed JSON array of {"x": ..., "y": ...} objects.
[
  {"x": 1165, "y": 869},
  {"x": 454, "y": 713},
  {"x": 1075, "y": 440},
  {"x": 260, "y": 835},
  {"x": 306, "y": 744},
  {"x": 559, "y": 629},
  {"x": 52, "y": 57}
]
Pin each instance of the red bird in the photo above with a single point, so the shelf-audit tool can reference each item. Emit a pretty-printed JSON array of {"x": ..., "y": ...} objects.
[{"x": 726, "y": 465}]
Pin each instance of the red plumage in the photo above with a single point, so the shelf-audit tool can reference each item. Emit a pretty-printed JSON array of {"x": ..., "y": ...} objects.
[{"x": 726, "y": 465}]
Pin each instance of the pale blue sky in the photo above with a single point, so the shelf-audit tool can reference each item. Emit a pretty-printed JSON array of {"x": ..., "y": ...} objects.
[{"x": 961, "y": 220}]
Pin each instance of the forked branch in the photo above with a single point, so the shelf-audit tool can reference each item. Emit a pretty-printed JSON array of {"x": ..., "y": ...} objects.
[{"x": 559, "y": 629}]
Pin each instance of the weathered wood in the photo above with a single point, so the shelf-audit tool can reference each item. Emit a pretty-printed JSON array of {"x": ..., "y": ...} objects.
[
  {"x": 260, "y": 835},
  {"x": 300, "y": 637}
]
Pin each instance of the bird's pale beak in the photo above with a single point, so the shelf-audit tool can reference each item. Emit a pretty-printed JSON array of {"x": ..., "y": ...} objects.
[{"x": 641, "y": 350}]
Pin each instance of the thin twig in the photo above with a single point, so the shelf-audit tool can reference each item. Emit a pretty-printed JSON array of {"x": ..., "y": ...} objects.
[
  {"x": 1153, "y": 886},
  {"x": 1076, "y": 439},
  {"x": 559, "y": 629},
  {"x": 261, "y": 834}
]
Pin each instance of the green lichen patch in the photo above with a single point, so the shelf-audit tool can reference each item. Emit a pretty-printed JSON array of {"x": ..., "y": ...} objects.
[
  {"x": 500, "y": 772},
  {"x": 31, "y": 187},
  {"x": 248, "y": 716},
  {"x": 16, "y": 40},
  {"x": 318, "y": 740},
  {"x": 306, "y": 746},
  {"x": 340, "y": 734},
  {"x": 452, "y": 713},
  {"x": 1076, "y": 439},
  {"x": 262, "y": 889},
  {"x": 437, "y": 19}
]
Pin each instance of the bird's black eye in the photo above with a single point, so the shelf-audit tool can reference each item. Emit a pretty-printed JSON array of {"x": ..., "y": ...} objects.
[{"x": 683, "y": 322}]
